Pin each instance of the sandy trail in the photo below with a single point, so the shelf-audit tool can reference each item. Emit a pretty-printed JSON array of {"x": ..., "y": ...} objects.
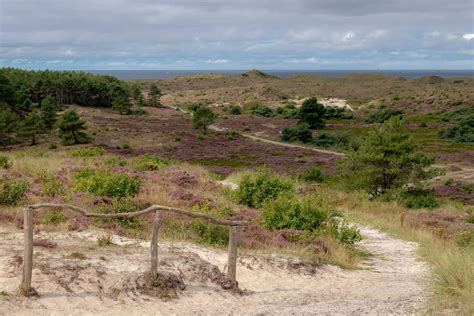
[{"x": 392, "y": 281}]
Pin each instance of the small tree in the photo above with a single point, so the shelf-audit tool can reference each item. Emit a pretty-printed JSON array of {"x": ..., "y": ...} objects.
[
  {"x": 203, "y": 117},
  {"x": 71, "y": 129},
  {"x": 121, "y": 104},
  {"x": 8, "y": 121},
  {"x": 312, "y": 113},
  {"x": 31, "y": 127},
  {"x": 48, "y": 112},
  {"x": 302, "y": 133},
  {"x": 154, "y": 95},
  {"x": 387, "y": 159}
]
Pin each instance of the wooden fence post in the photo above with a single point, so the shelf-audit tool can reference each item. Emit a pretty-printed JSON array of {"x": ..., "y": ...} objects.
[
  {"x": 154, "y": 245},
  {"x": 25, "y": 287},
  {"x": 232, "y": 256}
]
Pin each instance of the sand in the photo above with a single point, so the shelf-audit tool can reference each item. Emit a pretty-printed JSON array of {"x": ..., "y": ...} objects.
[{"x": 391, "y": 282}]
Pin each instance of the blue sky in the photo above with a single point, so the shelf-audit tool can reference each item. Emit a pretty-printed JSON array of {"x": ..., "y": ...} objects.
[{"x": 243, "y": 34}]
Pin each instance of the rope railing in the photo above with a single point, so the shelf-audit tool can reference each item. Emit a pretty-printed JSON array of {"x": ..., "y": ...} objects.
[{"x": 25, "y": 287}]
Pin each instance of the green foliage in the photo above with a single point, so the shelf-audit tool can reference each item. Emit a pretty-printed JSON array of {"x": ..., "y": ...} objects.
[
  {"x": 313, "y": 174},
  {"x": 8, "y": 123},
  {"x": 347, "y": 234},
  {"x": 154, "y": 96},
  {"x": 203, "y": 117},
  {"x": 115, "y": 161},
  {"x": 52, "y": 146},
  {"x": 419, "y": 198},
  {"x": 124, "y": 206},
  {"x": 256, "y": 189},
  {"x": 387, "y": 159},
  {"x": 48, "y": 112},
  {"x": 87, "y": 152},
  {"x": 234, "y": 110},
  {"x": 384, "y": 115},
  {"x": 106, "y": 183},
  {"x": 13, "y": 192},
  {"x": 4, "y": 162},
  {"x": 302, "y": 133},
  {"x": 331, "y": 140},
  {"x": 53, "y": 218},
  {"x": 459, "y": 114},
  {"x": 51, "y": 185},
  {"x": 337, "y": 113},
  {"x": 71, "y": 129},
  {"x": 462, "y": 133},
  {"x": 215, "y": 235},
  {"x": 121, "y": 104},
  {"x": 31, "y": 127},
  {"x": 312, "y": 113},
  {"x": 104, "y": 240},
  {"x": 286, "y": 212},
  {"x": 257, "y": 108},
  {"x": 150, "y": 162}
]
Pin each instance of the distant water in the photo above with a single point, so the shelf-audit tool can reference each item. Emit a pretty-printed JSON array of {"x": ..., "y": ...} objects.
[{"x": 165, "y": 74}]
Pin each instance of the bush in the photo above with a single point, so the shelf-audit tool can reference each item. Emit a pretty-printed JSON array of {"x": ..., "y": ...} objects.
[
  {"x": 4, "y": 162},
  {"x": 337, "y": 113},
  {"x": 302, "y": 133},
  {"x": 87, "y": 152},
  {"x": 347, "y": 234},
  {"x": 331, "y": 140},
  {"x": 53, "y": 218},
  {"x": 13, "y": 192},
  {"x": 52, "y": 146},
  {"x": 418, "y": 198},
  {"x": 124, "y": 206},
  {"x": 382, "y": 116},
  {"x": 104, "y": 240},
  {"x": 312, "y": 175},
  {"x": 105, "y": 183},
  {"x": 256, "y": 189},
  {"x": 51, "y": 184},
  {"x": 235, "y": 110},
  {"x": 115, "y": 161},
  {"x": 150, "y": 163},
  {"x": 312, "y": 113},
  {"x": 462, "y": 133},
  {"x": 285, "y": 212},
  {"x": 71, "y": 129},
  {"x": 257, "y": 108},
  {"x": 216, "y": 235}
]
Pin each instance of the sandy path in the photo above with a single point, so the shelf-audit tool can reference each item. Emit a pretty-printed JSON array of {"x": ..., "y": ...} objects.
[{"x": 392, "y": 282}]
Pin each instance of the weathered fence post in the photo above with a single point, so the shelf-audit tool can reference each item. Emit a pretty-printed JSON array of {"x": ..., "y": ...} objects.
[
  {"x": 154, "y": 245},
  {"x": 25, "y": 287},
  {"x": 232, "y": 256}
]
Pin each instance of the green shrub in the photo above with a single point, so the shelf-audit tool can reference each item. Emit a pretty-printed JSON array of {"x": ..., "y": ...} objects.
[
  {"x": 87, "y": 152},
  {"x": 104, "y": 240},
  {"x": 13, "y": 192},
  {"x": 257, "y": 108},
  {"x": 418, "y": 198},
  {"x": 4, "y": 162},
  {"x": 384, "y": 115},
  {"x": 347, "y": 234},
  {"x": 235, "y": 110},
  {"x": 150, "y": 163},
  {"x": 124, "y": 206},
  {"x": 51, "y": 184},
  {"x": 302, "y": 133},
  {"x": 255, "y": 189},
  {"x": 115, "y": 161},
  {"x": 216, "y": 235},
  {"x": 337, "y": 113},
  {"x": 106, "y": 183},
  {"x": 331, "y": 140},
  {"x": 286, "y": 212},
  {"x": 461, "y": 133},
  {"x": 313, "y": 174},
  {"x": 52, "y": 146},
  {"x": 53, "y": 218}
]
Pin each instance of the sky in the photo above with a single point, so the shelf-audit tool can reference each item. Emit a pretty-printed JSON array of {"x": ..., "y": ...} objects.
[{"x": 237, "y": 34}]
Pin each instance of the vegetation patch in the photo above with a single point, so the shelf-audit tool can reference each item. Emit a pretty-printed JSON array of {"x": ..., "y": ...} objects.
[
  {"x": 13, "y": 192},
  {"x": 150, "y": 163},
  {"x": 106, "y": 183},
  {"x": 87, "y": 152}
]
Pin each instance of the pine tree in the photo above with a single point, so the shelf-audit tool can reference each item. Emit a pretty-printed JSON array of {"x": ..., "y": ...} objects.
[
  {"x": 71, "y": 129},
  {"x": 48, "y": 112},
  {"x": 203, "y": 117},
  {"x": 121, "y": 104},
  {"x": 31, "y": 127},
  {"x": 154, "y": 95},
  {"x": 312, "y": 113},
  {"x": 8, "y": 121}
]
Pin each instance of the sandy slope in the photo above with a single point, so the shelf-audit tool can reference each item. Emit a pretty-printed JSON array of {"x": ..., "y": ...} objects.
[{"x": 392, "y": 283}]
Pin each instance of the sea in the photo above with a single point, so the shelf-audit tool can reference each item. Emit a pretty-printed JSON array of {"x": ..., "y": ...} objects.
[{"x": 166, "y": 74}]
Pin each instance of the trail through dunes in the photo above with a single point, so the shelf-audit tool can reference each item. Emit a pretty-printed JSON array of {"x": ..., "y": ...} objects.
[{"x": 392, "y": 281}]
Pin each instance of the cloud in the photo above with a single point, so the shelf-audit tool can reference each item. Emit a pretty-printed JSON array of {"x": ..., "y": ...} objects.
[{"x": 233, "y": 33}]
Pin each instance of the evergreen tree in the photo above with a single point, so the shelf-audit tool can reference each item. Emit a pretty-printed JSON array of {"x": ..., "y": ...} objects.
[
  {"x": 154, "y": 95},
  {"x": 121, "y": 104},
  {"x": 203, "y": 117},
  {"x": 31, "y": 127},
  {"x": 312, "y": 113},
  {"x": 48, "y": 112},
  {"x": 8, "y": 121},
  {"x": 140, "y": 101},
  {"x": 71, "y": 129}
]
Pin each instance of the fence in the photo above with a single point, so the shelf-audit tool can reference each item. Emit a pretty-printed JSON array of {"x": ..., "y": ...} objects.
[{"x": 25, "y": 287}]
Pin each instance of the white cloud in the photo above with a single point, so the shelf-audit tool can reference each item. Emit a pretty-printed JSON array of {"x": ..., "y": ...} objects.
[
  {"x": 348, "y": 36},
  {"x": 468, "y": 36},
  {"x": 217, "y": 61}
]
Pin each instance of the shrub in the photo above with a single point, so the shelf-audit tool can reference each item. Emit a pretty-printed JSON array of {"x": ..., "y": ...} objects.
[
  {"x": 255, "y": 189},
  {"x": 216, "y": 235},
  {"x": 51, "y": 184},
  {"x": 331, "y": 140},
  {"x": 203, "y": 117},
  {"x": 53, "y": 218},
  {"x": 13, "y": 192},
  {"x": 4, "y": 162},
  {"x": 312, "y": 175},
  {"x": 124, "y": 206},
  {"x": 52, "y": 146},
  {"x": 150, "y": 163},
  {"x": 337, "y": 113},
  {"x": 418, "y": 198},
  {"x": 462, "y": 133},
  {"x": 104, "y": 240},
  {"x": 382, "y": 116},
  {"x": 257, "y": 108},
  {"x": 87, "y": 152},
  {"x": 235, "y": 110},
  {"x": 105, "y": 183},
  {"x": 347, "y": 234},
  {"x": 312, "y": 113},
  {"x": 71, "y": 129},
  {"x": 285, "y": 212},
  {"x": 302, "y": 133},
  {"x": 115, "y": 161}
]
